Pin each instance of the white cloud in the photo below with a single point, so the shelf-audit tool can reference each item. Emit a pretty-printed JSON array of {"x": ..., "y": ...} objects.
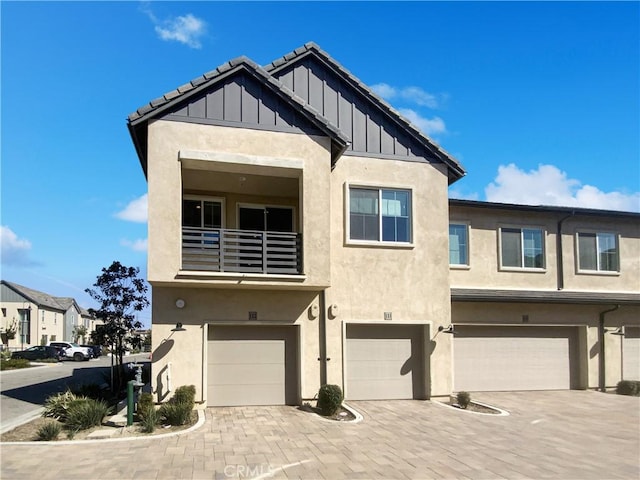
[
  {"x": 414, "y": 95},
  {"x": 430, "y": 126},
  {"x": 135, "y": 211},
  {"x": 14, "y": 250},
  {"x": 138, "y": 245},
  {"x": 548, "y": 185},
  {"x": 186, "y": 29}
]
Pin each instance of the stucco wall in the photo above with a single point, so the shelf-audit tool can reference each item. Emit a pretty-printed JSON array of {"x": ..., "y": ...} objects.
[
  {"x": 484, "y": 255},
  {"x": 166, "y": 141},
  {"x": 410, "y": 282}
]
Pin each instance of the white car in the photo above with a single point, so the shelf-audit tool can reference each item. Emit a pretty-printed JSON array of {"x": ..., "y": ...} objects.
[{"x": 73, "y": 350}]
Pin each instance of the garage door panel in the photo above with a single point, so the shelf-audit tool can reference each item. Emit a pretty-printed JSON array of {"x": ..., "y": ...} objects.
[
  {"x": 501, "y": 358},
  {"x": 251, "y": 366},
  {"x": 383, "y": 362},
  {"x": 631, "y": 353}
]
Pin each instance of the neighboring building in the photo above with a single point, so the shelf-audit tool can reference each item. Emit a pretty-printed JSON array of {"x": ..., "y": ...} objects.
[
  {"x": 298, "y": 236},
  {"x": 543, "y": 297},
  {"x": 37, "y": 317}
]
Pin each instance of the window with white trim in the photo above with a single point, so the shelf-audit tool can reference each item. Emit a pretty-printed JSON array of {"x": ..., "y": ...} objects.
[
  {"x": 379, "y": 214},
  {"x": 522, "y": 248},
  {"x": 458, "y": 244},
  {"x": 598, "y": 252}
]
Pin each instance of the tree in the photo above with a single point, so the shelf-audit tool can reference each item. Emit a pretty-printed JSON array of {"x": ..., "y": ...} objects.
[
  {"x": 79, "y": 331},
  {"x": 120, "y": 294}
]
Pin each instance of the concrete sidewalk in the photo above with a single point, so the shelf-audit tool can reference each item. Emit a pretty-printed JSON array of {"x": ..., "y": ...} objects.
[{"x": 562, "y": 435}]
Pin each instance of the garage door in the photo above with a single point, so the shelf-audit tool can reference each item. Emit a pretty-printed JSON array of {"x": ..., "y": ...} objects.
[
  {"x": 513, "y": 358},
  {"x": 384, "y": 362},
  {"x": 631, "y": 353},
  {"x": 252, "y": 366}
]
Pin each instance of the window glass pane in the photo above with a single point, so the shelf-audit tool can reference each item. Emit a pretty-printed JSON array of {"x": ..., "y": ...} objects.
[
  {"x": 403, "y": 233},
  {"x": 279, "y": 219},
  {"x": 363, "y": 201},
  {"x": 191, "y": 216},
  {"x": 458, "y": 245},
  {"x": 212, "y": 215},
  {"x": 608, "y": 252},
  {"x": 396, "y": 213},
  {"x": 533, "y": 254},
  {"x": 389, "y": 233},
  {"x": 511, "y": 248},
  {"x": 587, "y": 251}
]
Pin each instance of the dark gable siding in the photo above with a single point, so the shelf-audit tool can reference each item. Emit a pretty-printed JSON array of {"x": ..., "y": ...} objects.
[
  {"x": 241, "y": 100},
  {"x": 371, "y": 131}
]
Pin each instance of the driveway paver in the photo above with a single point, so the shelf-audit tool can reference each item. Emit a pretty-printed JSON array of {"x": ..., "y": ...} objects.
[{"x": 560, "y": 435}]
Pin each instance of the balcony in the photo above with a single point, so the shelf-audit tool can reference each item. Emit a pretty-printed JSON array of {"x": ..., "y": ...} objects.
[{"x": 241, "y": 251}]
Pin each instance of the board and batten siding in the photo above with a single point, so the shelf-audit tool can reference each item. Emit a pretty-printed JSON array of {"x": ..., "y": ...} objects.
[
  {"x": 372, "y": 132},
  {"x": 241, "y": 100}
]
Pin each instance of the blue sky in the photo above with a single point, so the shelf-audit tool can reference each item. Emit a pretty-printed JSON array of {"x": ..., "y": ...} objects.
[{"x": 539, "y": 102}]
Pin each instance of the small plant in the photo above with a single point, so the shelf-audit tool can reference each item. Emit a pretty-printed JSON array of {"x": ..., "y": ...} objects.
[
  {"x": 175, "y": 413},
  {"x": 150, "y": 419},
  {"x": 329, "y": 399},
  {"x": 185, "y": 394},
  {"x": 86, "y": 413},
  {"x": 14, "y": 363},
  {"x": 627, "y": 387},
  {"x": 57, "y": 406},
  {"x": 145, "y": 403},
  {"x": 464, "y": 399},
  {"x": 49, "y": 431}
]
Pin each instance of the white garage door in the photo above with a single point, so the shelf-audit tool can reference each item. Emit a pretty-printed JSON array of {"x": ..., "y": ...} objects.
[
  {"x": 249, "y": 366},
  {"x": 631, "y": 353},
  {"x": 383, "y": 362},
  {"x": 512, "y": 358}
]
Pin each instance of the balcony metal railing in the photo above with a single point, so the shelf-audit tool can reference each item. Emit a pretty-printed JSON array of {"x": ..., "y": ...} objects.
[{"x": 241, "y": 251}]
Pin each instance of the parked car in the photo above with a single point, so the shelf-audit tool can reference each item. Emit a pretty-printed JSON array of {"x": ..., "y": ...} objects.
[
  {"x": 39, "y": 352},
  {"x": 73, "y": 350},
  {"x": 96, "y": 350}
]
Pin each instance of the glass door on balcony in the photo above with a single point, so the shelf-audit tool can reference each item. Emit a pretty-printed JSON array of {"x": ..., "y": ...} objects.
[{"x": 265, "y": 219}]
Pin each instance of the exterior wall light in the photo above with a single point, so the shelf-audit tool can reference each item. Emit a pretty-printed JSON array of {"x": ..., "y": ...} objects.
[
  {"x": 179, "y": 328},
  {"x": 449, "y": 329}
]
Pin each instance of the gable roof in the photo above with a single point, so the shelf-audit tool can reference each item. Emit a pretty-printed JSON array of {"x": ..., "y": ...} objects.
[
  {"x": 137, "y": 121},
  {"x": 43, "y": 299},
  {"x": 269, "y": 76},
  {"x": 311, "y": 49}
]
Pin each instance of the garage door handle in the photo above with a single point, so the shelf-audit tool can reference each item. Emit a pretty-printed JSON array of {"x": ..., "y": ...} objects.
[{"x": 327, "y": 359}]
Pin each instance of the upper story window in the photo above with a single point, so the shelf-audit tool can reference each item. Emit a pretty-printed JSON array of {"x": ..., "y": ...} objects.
[
  {"x": 201, "y": 212},
  {"x": 379, "y": 215},
  {"x": 522, "y": 248},
  {"x": 598, "y": 252},
  {"x": 458, "y": 244}
]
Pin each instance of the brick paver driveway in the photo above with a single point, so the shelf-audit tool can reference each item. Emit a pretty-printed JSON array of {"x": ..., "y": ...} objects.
[{"x": 563, "y": 435}]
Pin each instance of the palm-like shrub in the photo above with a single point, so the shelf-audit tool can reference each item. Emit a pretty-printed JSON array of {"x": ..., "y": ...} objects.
[
  {"x": 175, "y": 413},
  {"x": 49, "y": 431},
  {"x": 56, "y": 406},
  {"x": 86, "y": 413}
]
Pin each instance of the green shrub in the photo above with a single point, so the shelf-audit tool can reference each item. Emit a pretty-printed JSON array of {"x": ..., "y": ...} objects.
[
  {"x": 464, "y": 399},
  {"x": 150, "y": 419},
  {"x": 56, "y": 406},
  {"x": 90, "y": 390},
  {"x": 86, "y": 413},
  {"x": 49, "y": 431},
  {"x": 175, "y": 413},
  {"x": 627, "y": 387},
  {"x": 329, "y": 399},
  {"x": 185, "y": 394},
  {"x": 145, "y": 403},
  {"x": 14, "y": 363}
]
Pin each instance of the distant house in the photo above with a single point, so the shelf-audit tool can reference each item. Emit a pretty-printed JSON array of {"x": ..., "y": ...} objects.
[
  {"x": 300, "y": 233},
  {"x": 38, "y": 318}
]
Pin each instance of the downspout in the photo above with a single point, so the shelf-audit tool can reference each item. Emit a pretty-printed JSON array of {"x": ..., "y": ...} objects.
[
  {"x": 560, "y": 267},
  {"x": 601, "y": 333},
  {"x": 323, "y": 338}
]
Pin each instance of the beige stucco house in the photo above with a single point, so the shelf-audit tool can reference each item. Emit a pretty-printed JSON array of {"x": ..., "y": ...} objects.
[
  {"x": 36, "y": 318},
  {"x": 298, "y": 235}
]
